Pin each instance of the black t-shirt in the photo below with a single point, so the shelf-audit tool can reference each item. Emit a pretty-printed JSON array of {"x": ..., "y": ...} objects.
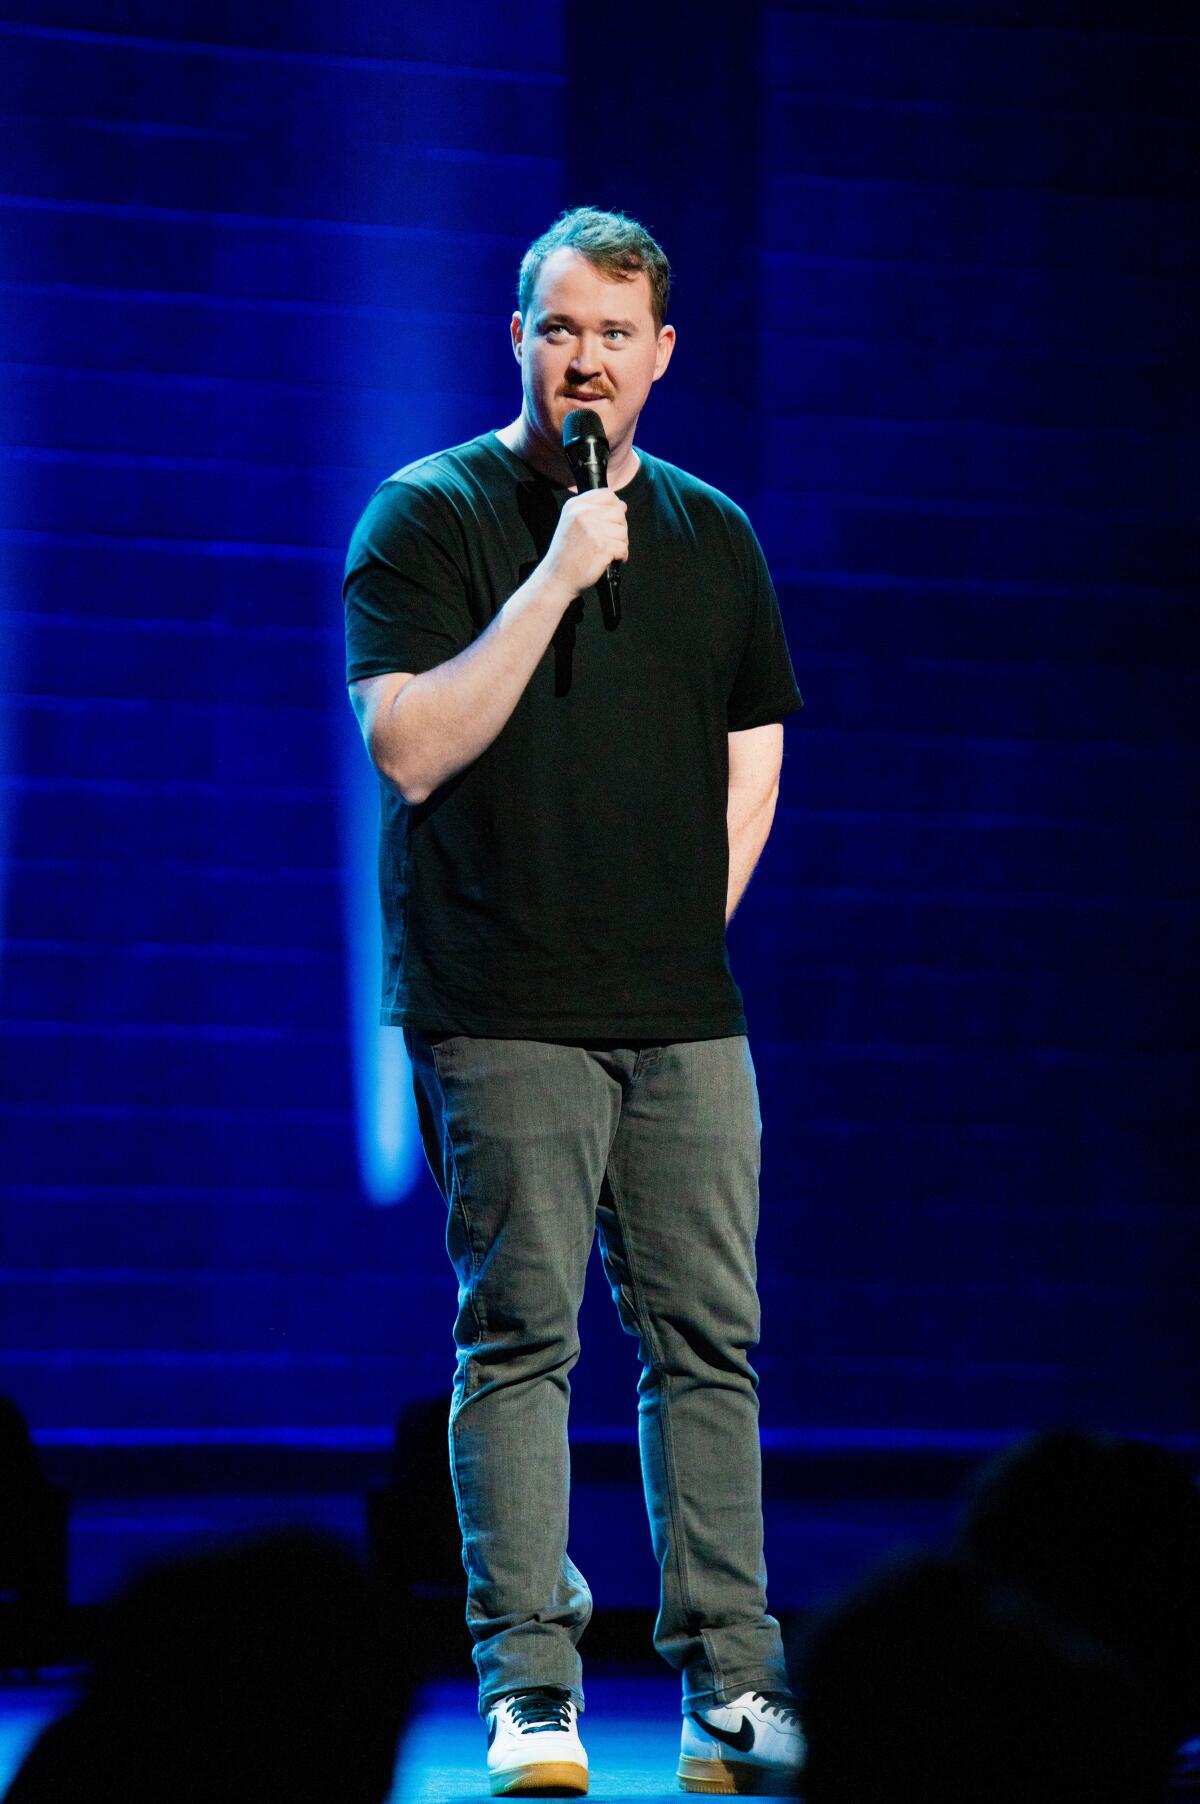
[{"x": 571, "y": 882}]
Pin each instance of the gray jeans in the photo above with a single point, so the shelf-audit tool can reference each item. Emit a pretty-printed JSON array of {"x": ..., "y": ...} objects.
[{"x": 536, "y": 1147}]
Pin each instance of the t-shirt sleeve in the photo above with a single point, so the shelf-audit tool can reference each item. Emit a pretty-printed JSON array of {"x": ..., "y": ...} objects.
[
  {"x": 405, "y": 592},
  {"x": 764, "y": 688}
]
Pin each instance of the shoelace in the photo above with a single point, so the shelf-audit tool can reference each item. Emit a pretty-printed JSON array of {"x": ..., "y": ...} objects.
[
  {"x": 780, "y": 1704},
  {"x": 537, "y": 1711}
]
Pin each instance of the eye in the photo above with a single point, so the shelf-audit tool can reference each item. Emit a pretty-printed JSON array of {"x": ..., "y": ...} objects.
[
  {"x": 616, "y": 332},
  {"x": 554, "y": 331}
]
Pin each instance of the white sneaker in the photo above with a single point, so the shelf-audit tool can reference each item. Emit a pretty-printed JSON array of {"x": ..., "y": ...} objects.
[
  {"x": 753, "y": 1745},
  {"x": 534, "y": 1748}
]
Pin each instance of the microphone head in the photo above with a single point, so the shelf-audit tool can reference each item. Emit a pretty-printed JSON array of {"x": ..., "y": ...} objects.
[{"x": 581, "y": 425}]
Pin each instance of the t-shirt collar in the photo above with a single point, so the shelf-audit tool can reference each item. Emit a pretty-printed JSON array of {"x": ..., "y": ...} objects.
[{"x": 631, "y": 492}]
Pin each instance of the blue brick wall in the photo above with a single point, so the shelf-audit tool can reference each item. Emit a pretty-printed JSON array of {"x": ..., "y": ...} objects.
[
  {"x": 249, "y": 269},
  {"x": 973, "y": 950},
  {"x": 935, "y": 291}
]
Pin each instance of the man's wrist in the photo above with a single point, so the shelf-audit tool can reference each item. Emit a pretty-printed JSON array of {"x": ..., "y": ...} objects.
[{"x": 545, "y": 588}]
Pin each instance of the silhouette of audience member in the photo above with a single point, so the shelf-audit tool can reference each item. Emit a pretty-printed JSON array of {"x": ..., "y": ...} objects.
[
  {"x": 929, "y": 1684},
  {"x": 414, "y": 1541},
  {"x": 33, "y": 1548},
  {"x": 1106, "y": 1533},
  {"x": 252, "y": 1674}
]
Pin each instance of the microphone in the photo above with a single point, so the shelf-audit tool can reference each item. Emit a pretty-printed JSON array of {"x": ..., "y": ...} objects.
[{"x": 586, "y": 449}]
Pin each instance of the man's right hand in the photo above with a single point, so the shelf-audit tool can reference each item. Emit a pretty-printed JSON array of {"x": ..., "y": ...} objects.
[
  {"x": 422, "y": 729},
  {"x": 591, "y": 534}
]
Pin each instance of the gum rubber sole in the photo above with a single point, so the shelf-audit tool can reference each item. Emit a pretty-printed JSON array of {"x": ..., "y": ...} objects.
[
  {"x": 541, "y": 1779},
  {"x": 723, "y": 1777}
]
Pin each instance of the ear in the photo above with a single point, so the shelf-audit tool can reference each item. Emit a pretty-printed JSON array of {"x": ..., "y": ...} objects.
[
  {"x": 662, "y": 355},
  {"x": 517, "y": 331}
]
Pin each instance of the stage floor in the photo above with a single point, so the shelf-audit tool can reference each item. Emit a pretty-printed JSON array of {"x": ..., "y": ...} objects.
[{"x": 630, "y": 1729}]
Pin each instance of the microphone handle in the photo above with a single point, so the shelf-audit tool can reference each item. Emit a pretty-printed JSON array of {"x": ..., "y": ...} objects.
[{"x": 592, "y": 473}]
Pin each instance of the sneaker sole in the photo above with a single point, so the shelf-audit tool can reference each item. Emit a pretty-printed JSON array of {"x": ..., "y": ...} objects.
[
  {"x": 545, "y": 1779},
  {"x": 725, "y": 1776}
]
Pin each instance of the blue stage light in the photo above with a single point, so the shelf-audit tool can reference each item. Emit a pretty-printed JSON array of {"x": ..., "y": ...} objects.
[{"x": 389, "y": 1147}]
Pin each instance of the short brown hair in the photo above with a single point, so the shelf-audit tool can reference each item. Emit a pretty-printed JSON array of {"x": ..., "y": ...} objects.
[{"x": 615, "y": 244}]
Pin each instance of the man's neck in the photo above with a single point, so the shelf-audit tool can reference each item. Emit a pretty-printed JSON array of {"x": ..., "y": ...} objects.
[{"x": 520, "y": 438}]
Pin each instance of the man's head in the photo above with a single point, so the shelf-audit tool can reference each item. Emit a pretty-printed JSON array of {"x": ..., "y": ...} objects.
[
  {"x": 1106, "y": 1531},
  {"x": 927, "y": 1681},
  {"x": 612, "y": 243},
  {"x": 589, "y": 330}
]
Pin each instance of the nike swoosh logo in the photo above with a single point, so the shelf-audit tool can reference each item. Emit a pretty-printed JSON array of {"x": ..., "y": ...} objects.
[{"x": 741, "y": 1739}]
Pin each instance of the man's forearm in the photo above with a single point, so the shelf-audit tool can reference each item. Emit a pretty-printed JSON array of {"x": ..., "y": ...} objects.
[
  {"x": 749, "y": 823},
  {"x": 423, "y": 729},
  {"x": 442, "y": 719}
]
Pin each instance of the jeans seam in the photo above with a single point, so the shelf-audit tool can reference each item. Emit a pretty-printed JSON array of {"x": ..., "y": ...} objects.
[
  {"x": 457, "y": 1202},
  {"x": 664, "y": 1415},
  {"x": 456, "y": 1191},
  {"x": 646, "y": 1060}
]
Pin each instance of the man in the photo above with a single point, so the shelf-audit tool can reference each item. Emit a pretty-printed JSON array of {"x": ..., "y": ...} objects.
[{"x": 571, "y": 811}]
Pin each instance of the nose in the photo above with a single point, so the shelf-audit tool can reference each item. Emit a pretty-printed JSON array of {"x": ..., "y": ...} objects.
[{"x": 586, "y": 361}]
